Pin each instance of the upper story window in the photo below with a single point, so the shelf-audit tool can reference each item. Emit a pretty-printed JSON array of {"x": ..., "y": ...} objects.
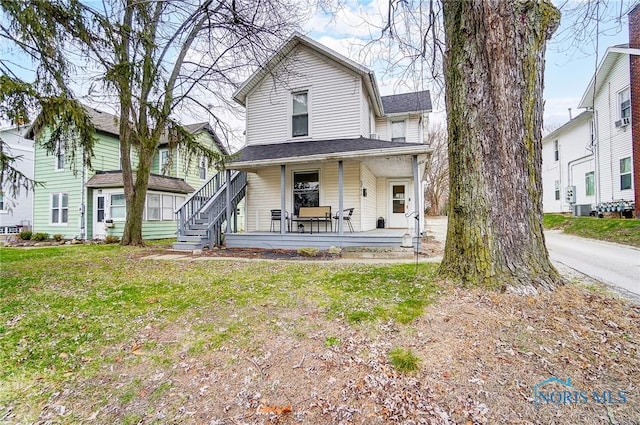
[
  {"x": 398, "y": 131},
  {"x": 2, "y": 203},
  {"x": 556, "y": 151},
  {"x": 202, "y": 168},
  {"x": 624, "y": 100},
  {"x": 300, "y": 114},
  {"x": 163, "y": 160},
  {"x": 59, "y": 154},
  {"x": 625, "y": 173}
]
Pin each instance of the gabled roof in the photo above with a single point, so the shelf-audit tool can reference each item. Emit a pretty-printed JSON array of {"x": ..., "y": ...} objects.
[
  {"x": 320, "y": 150},
  {"x": 204, "y": 126},
  {"x": 579, "y": 119},
  {"x": 107, "y": 179},
  {"x": 283, "y": 51},
  {"x": 405, "y": 103},
  {"x": 103, "y": 122},
  {"x": 611, "y": 56}
]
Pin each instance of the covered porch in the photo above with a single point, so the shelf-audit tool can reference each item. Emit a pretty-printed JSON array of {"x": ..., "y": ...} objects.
[{"x": 365, "y": 181}]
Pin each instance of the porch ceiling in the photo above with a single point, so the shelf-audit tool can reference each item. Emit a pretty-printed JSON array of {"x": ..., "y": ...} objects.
[{"x": 392, "y": 166}]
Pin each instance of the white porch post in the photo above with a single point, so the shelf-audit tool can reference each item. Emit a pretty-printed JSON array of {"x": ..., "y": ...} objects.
[
  {"x": 340, "y": 196},
  {"x": 283, "y": 204},
  {"x": 228, "y": 199},
  {"x": 416, "y": 202}
]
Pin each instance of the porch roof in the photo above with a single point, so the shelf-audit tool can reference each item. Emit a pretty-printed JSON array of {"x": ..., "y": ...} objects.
[
  {"x": 108, "y": 179},
  {"x": 320, "y": 150}
]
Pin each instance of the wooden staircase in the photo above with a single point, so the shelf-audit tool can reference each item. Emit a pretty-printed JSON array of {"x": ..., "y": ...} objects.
[{"x": 205, "y": 216}]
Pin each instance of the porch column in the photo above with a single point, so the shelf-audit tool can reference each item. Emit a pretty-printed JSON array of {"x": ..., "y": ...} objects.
[
  {"x": 416, "y": 201},
  {"x": 340, "y": 200},
  {"x": 283, "y": 204},
  {"x": 228, "y": 199}
]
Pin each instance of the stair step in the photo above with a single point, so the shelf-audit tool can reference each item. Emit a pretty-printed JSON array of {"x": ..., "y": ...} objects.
[
  {"x": 195, "y": 232},
  {"x": 186, "y": 246},
  {"x": 189, "y": 238}
]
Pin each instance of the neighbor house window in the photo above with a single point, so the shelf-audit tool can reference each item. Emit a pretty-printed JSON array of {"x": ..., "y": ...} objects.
[
  {"x": 306, "y": 190},
  {"x": 59, "y": 208},
  {"x": 118, "y": 206},
  {"x": 163, "y": 160},
  {"x": 625, "y": 173},
  {"x": 167, "y": 207},
  {"x": 624, "y": 100},
  {"x": 59, "y": 153},
  {"x": 202, "y": 168},
  {"x": 398, "y": 131},
  {"x": 300, "y": 115},
  {"x": 2, "y": 206},
  {"x": 153, "y": 207},
  {"x": 556, "y": 151},
  {"x": 557, "y": 190},
  {"x": 590, "y": 183}
]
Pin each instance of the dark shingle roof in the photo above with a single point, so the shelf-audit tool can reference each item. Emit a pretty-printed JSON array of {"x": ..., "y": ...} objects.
[
  {"x": 104, "y": 121},
  {"x": 105, "y": 179},
  {"x": 407, "y": 102},
  {"x": 316, "y": 147},
  {"x": 204, "y": 126}
]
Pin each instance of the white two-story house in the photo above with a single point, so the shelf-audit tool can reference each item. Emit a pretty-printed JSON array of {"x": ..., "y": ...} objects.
[{"x": 319, "y": 134}]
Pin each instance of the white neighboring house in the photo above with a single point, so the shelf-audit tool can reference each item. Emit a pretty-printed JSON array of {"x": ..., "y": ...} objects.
[
  {"x": 609, "y": 97},
  {"x": 16, "y": 212},
  {"x": 568, "y": 162}
]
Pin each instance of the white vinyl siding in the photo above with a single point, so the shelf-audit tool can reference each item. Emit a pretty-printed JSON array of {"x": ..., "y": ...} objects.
[
  {"x": 263, "y": 191},
  {"x": 614, "y": 142},
  {"x": 335, "y": 101},
  {"x": 367, "y": 211}
]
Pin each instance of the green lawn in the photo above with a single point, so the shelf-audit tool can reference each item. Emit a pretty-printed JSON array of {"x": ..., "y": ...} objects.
[
  {"x": 67, "y": 312},
  {"x": 624, "y": 231}
]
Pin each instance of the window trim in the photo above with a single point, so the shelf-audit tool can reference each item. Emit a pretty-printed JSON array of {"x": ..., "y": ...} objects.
[
  {"x": 591, "y": 186},
  {"x": 59, "y": 208},
  {"x": 626, "y": 173},
  {"x": 170, "y": 208},
  {"x": 301, "y": 90},
  {"x": 59, "y": 155},
  {"x": 556, "y": 150},
  {"x": 626, "y": 91},
  {"x": 404, "y": 121},
  {"x": 160, "y": 162},
  {"x": 147, "y": 208},
  {"x": 557, "y": 190},
  {"x": 124, "y": 205},
  {"x": 202, "y": 168},
  {"x": 293, "y": 190}
]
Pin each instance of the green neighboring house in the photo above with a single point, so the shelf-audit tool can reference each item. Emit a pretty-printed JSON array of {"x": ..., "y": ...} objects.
[{"x": 89, "y": 203}]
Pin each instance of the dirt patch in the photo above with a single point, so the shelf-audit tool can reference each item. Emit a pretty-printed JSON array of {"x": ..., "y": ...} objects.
[{"x": 482, "y": 353}]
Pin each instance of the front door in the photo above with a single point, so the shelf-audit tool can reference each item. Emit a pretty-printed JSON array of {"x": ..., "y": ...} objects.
[
  {"x": 399, "y": 204},
  {"x": 98, "y": 216}
]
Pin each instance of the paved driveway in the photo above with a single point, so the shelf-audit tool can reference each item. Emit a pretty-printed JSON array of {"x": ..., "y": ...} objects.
[{"x": 614, "y": 264}]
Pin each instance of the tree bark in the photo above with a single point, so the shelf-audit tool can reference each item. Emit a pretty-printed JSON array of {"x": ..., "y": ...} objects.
[{"x": 494, "y": 66}]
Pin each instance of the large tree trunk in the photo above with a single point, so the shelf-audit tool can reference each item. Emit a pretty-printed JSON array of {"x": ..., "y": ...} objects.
[{"x": 494, "y": 67}]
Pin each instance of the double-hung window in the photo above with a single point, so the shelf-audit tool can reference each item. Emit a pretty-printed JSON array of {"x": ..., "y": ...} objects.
[
  {"x": 624, "y": 100},
  {"x": 59, "y": 156},
  {"x": 300, "y": 114},
  {"x": 556, "y": 151},
  {"x": 625, "y": 173},
  {"x": 590, "y": 183},
  {"x": 2, "y": 203},
  {"x": 557, "y": 190},
  {"x": 163, "y": 158},
  {"x": 167, "y": 207},
  {"x": 153, "y": 207},
  {"x": 118, "y": 208},
  {"x": 398, "y": 131},
  {"x": 59, "y": 208},
  {"x": 306, "y": 190},
  {"x": 202, "y": 168}
]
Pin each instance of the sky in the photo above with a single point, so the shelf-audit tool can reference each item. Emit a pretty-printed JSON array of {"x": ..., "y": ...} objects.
[{"x": 570, "y": 63}]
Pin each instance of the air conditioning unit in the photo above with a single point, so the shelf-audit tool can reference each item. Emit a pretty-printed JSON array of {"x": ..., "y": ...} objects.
[
  {"x": 374, "y": 136},
  {"x": 623, "y": 122}
]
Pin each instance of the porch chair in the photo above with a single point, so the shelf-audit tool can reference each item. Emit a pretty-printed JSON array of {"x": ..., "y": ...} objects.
[
  {"x": 346, "y": 217},
  {"x": 275, "y": 216}
]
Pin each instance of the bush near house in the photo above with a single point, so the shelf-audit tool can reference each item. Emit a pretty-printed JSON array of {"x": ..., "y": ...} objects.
[
  {"x": 25, "y": 235},
  {"x": 40, "y": 236},
  {"x": 618, "y": 230}
]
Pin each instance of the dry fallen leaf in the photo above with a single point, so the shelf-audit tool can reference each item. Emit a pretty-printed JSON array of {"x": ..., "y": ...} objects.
[{"x": 277, "y": 410}]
